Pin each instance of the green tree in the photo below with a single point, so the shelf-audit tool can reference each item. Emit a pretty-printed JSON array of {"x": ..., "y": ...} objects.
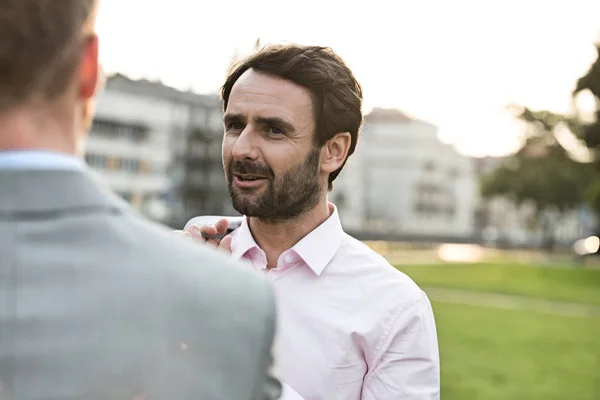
[
  {"x": 590, "y": 132},
  {"x": 543, "y": 173}
]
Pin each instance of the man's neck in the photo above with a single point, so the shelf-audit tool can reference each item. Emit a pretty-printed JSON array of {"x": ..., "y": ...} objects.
[
  {"x": 274, "y": 239},
  {"x": 35, "y": 130}
]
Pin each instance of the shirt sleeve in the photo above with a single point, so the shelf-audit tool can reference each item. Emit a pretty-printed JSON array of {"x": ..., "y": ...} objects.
[{"x": 407, "y": 366}]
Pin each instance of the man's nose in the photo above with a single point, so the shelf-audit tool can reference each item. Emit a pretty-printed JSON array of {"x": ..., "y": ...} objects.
[{"x": 245, "y": 145}]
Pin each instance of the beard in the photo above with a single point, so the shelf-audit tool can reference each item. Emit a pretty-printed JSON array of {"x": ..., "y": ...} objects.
[{"x": 284, "y": 197}]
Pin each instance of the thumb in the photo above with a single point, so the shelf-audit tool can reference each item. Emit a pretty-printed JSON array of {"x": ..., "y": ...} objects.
[{"x": 225, "y": 244}]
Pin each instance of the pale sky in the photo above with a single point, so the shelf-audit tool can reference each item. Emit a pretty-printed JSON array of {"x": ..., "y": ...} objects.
[{"x": 454, "y": 63}]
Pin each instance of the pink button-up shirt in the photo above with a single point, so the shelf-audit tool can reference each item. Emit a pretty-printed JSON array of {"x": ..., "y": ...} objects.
[{"x": 351, "y": 326}]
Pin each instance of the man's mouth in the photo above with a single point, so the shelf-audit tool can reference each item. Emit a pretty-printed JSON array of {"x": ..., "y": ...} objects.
[
  {"x": 248, "y": 178},
  {"x": 249, "y": 181}
]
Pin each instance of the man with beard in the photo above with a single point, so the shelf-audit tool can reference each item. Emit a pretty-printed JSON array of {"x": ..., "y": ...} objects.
[
  {"x": 96, "y": 302},
  {"x": 351, "y": 325}
]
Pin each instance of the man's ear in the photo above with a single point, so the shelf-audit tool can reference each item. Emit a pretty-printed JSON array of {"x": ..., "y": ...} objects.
[
  {"x": 335, "y": 151},
  {"x": 89, "y": 68}
]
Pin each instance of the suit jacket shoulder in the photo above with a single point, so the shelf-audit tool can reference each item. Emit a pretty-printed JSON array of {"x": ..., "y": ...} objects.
[{"x": 100, "y": 303}]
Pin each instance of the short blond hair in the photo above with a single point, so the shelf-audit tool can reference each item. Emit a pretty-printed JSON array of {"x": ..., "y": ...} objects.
[{"x": 40, "y": 44}]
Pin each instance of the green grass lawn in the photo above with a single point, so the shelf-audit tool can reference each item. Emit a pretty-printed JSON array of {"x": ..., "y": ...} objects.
[
  {"x": 498, "y": 354},
  {"x": 493, "y": 354},
  {"x": 575, "y": 285}
]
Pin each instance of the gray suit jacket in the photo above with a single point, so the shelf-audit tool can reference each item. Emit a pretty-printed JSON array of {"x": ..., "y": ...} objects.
[{"x": 98, "y": 303}]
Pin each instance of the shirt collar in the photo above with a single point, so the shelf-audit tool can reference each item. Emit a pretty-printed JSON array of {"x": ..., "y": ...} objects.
[
  {"x": 316, "y": 249},
  {"x": 242, "y": 240},
  {"x": 39, "y": 159}
]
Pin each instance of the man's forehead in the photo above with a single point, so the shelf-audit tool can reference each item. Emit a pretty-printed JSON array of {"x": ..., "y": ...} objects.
[
  {"x": 249, "y": 111},
  {"x": 256, "y": 91}
]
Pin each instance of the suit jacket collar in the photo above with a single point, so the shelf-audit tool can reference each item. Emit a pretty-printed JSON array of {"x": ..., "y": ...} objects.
[{"x": 25, "y": 192}]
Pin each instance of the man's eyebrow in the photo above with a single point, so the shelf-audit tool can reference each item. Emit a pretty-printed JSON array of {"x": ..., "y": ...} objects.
[
  {"x": 276, "y": 121},
  {"x": 230, "y": 118}
]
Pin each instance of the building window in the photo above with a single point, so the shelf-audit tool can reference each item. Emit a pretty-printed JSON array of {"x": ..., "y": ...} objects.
[
  {"x": 434, "y": 201},
  {"x": 144, "y": 167},
  {"x": 119, "y": 130},
  {"x": 96, "y": 161},
  {"x": 453, "y": 173},
  {"x": 137, "y": 199},
  {"x": 119, "y": 164},
  {"x": 113, "y": 163},
  {"x": 429, "y": 166}
]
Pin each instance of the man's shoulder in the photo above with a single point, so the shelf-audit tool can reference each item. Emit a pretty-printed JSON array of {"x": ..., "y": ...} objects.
[
  {"x": 375, "y": 266},
  {"x": 143, "y": 248},
  {"x": 363, "y": 254},
  {"x": 166, "y": 245}
]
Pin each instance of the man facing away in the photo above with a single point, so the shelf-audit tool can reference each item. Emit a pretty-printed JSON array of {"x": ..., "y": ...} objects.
[
  {"x": 95, "y": 302},
  {"x": 352, "y": 326}
]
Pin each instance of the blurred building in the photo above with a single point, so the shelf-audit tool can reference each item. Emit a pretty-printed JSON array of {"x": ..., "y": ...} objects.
[
  {"x": 159, "y": 148},
  {"x": 402, "y": 181}
]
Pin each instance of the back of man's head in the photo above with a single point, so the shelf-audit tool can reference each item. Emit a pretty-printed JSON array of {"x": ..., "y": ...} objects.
[{"x": 48, "y": 56}]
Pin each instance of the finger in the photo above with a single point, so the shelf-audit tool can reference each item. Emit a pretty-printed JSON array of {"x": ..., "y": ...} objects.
[
  {"x": 193, "y": 231},
  {"x": 221, "y": 226},
  {"x": 213, "y": 242},
  {"x": 196, "y": 232},
  {"x": 208, "y": 230},
  {"x": 225, "y": 244}
]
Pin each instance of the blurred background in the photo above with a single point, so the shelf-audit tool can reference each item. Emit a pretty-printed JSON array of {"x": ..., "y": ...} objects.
[{"x": 477, "y": 171}]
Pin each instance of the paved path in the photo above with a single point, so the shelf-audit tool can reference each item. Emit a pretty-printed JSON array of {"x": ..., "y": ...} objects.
[{"x": 512, "y": 302}]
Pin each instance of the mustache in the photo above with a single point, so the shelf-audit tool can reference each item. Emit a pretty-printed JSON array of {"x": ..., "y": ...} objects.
[{"x": 250, "y": 168}]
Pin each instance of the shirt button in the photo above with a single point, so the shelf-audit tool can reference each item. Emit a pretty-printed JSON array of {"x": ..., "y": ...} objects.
[{"x": 289, "y": 258}]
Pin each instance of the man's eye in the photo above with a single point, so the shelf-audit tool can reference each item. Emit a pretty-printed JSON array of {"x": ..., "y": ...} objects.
[
  {"x": 275, "y": 130},
  {"x": 234, "y": 127}
]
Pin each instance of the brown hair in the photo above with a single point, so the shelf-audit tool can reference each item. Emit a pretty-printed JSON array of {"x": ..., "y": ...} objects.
[
  {"x": 39, "y": 47},
  {"x": 337, "y": 95}
]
